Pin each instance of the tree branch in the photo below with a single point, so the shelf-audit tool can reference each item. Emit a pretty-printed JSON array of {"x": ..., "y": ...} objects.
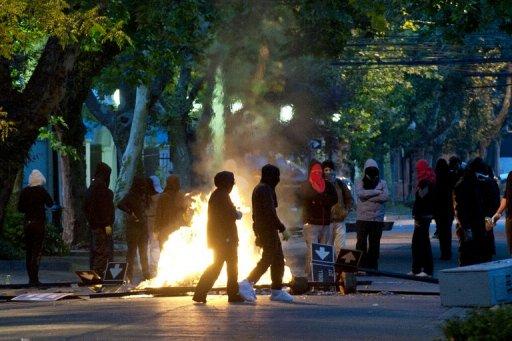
[{"x": 100, "y": 111}]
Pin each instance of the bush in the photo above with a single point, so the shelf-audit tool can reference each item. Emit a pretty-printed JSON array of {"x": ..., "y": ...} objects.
[
  {"x": 12, "y": 245},
  {"x": 488, "y": 324}
]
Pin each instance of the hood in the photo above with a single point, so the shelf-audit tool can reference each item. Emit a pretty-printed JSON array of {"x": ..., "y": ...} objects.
[
  {"x": 270, "y": 175},
  {"x": 316, "y": 176},
  {"x": 156, "y": 183},
  {"x": 424, "y": 171},
  {"x": 36, "y": 178},
  {"x": 103, "y": 173},
  {"x": 371, "y": 163},
  {"x": 312, "y": 164},
  {"x": 172, "y": 184},
  {"x": 224, "y": 180}
]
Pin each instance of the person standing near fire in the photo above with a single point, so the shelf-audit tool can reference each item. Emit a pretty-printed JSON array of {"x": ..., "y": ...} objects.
[
  {"x": 222, "y": 236},
  {"x": 266, "y": 227},
  {"x": 171, "y": 207},
  {"x": 341, "y": 209},
  {"x": 99, "y": 211},
  {"x": 318, "y": 197}
]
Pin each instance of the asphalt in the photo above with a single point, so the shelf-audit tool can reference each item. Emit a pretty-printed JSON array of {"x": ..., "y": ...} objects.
[{"x": 383, "y": 315}]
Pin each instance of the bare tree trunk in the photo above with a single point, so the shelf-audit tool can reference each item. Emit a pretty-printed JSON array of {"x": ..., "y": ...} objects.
[{"x": 68, "y": 212}]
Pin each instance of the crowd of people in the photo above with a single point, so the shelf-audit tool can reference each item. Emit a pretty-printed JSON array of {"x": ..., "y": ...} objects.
[{"x": 469, "y": 195}]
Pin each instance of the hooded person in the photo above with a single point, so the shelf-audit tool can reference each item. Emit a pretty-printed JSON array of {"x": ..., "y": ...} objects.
[
  {"x": 32, "y": 203},
  {"x": 266, "y": 226},
  {"x": 170, "y": 209},
  {"x": 99, "y": 212},
  {"x": 135, "y": 204},
  {"x": 423, "y": 212},
  {"x": 443, "y": 208},
  {"x": 317, "y": 199},
  {"x": 372, "y": 195},
  {"x": 341, "y": 209},
  {"x": 155, "y": 190},
  {"x": 470, "y": 211},
  {"x": 222, "y": 237}
]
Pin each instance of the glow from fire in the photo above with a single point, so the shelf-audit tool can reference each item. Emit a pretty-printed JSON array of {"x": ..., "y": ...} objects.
[{"x": 185, "y": 254}]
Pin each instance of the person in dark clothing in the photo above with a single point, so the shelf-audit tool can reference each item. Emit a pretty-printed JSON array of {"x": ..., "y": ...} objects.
[
  {"x": 455, "y": 170},
  {"x": 318, "y": 197},
  {"x": 266, "y": 227},
  {"x": 372, "y": 195},
  {"x": 170, "y": 209},
  {"x": 422, "y": 212},
  {"x": 32, "y": 202},
  {"x": 135, "y": 205},
  {"x": 491, "y": 201},
  {"x": 99, "y": 212},
  {"x": 443, "y": 208},
  {"x": 470, "y": 211},
  {"x": 222, "y": 237}
]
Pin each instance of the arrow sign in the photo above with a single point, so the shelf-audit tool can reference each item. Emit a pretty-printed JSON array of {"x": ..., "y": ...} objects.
[
  {"x": 116, "y": 270},
  {"x": 348, "y": 258},
  {"x": 322, "y": 253}
]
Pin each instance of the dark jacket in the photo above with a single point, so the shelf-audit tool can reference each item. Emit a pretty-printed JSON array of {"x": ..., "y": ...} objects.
[
  {"x": 135, "y": 205},
  {"x": 316, "y": 207},
  {"x": 33, "y": 201},
  {"x": 99, "y": 199},
  {"x": 264, "y": 203},
  {"x": 221, "y": 228},
  {"x": 423, "y": 207},
  {"x": 443, "y": 198},
  {"x": 170, "y": 207},
  {"x": 469, "y": 206}
]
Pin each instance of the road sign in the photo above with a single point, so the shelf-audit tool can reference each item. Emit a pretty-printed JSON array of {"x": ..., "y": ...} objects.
[
  {"x": 115, "y": 272},
  {"x": 348, "y": 259},
  {"x": 46, "y": 297},
  {"x": 322, "y": 253},
  {"x": 323, "y": 273}
]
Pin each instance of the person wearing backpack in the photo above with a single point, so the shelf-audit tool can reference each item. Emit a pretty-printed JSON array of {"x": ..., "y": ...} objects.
[{"x": 340, "y": 210}]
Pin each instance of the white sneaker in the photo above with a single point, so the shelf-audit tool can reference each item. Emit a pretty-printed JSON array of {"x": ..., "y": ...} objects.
[
  {"x": 423, "y": 274},
  {"x": 246, "y": 290},
  {"x": 410, "y": 273},
  {"x": 281, "y": 296}
]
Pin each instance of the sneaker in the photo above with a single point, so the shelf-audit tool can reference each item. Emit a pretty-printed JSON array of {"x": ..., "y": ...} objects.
[
  {"x": 410, "y": 273},
  {"x": 199, "y": 299},
  {"x": 246, "y": 290},
  {"x": 423, "y": 274},
  {"x": 281, "y": 296}
]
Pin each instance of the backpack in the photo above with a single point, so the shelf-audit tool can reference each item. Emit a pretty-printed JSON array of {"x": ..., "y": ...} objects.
[{"x": 339, "y": 211}]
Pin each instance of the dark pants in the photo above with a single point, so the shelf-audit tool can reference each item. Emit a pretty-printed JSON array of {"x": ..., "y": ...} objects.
[
  {"x": 137, "y": 239},
  {"x": 444, "y": 233},
  {"x": 368, "y": 241},
  {"x": 225, "y": 254},
  {"x": 272, "y": 257},
  {"x": 102, "y": 250},
  {"x": 421, "y": 249},
  {"x": 474, "y": 252},
  {"x": 34, "y": 237}
]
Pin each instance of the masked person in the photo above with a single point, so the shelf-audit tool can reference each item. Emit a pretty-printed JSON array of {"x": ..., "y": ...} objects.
[
  {"x": 266, "y": 227},
  {"x": 32, "y": 202},
  {"x": 155, "y": 189},
  {"x": 170, "y": 209},
  {"x": 341, "y": 209},
  {"x": 372, "y": 195},
  {"x": 99, "y": 211},
  {"x": 318, "y": 197},
  {"x": 135, "y": 205},
  {"x": 423, "y": 212},
  {"x": 222, "y": 238}
]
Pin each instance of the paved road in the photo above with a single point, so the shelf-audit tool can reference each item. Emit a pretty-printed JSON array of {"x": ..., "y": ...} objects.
[{"x": 311, "y": 317}]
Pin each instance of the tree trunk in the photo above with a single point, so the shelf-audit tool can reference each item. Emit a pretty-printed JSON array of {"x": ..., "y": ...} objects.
[
  {"x": 181, "y": 151},
  {"x": 135, "y": 144}
]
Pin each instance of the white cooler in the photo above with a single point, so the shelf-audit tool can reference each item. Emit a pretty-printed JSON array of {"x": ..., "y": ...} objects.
[{"x": 479, "y": 285}]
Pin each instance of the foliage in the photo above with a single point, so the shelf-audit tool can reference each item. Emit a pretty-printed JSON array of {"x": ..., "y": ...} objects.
[
  {"x": 6, "y": 126},
  {"x": 12, "y": 244},
  {"x": 48, "y": 133},
  {"x": 481, "y": 324}
]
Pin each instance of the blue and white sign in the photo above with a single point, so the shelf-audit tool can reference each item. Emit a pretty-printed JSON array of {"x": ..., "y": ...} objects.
[{"x": 322, "y": 253}]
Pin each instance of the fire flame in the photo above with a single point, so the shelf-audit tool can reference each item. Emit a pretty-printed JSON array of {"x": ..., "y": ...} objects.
[{"x": 185, "y": 254}]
